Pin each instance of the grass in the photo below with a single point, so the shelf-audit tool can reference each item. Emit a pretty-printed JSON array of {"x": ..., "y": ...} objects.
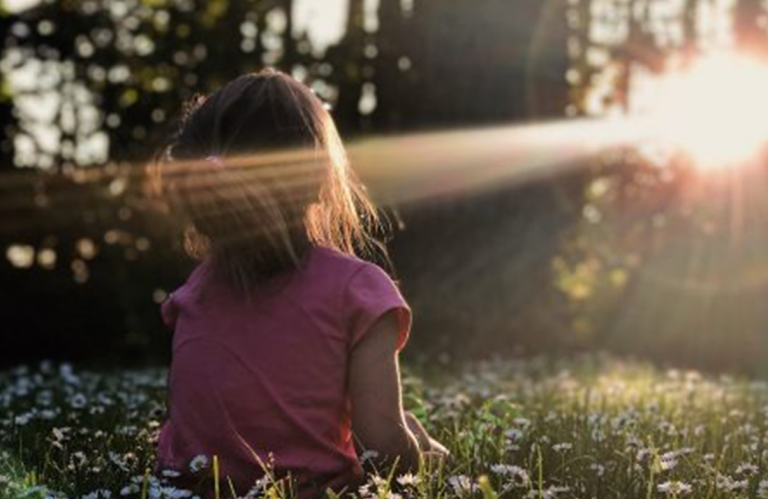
[{"x": 594, "y": 427}]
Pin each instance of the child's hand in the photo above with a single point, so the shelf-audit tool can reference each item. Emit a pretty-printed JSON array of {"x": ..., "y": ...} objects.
[
  {"x": 432, "y": 451},
  {"x": 436, "y": 456},
  {"x": 436, "y": 447}
]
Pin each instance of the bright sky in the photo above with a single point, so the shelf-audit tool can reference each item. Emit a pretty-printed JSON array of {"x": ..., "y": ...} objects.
[
  {"x": 324, "y": 20},
  {"x": 16, "y": 5}
]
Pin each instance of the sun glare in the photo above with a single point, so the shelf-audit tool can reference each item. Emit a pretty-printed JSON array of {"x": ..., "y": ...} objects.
[{"x": 715, "y": 110}]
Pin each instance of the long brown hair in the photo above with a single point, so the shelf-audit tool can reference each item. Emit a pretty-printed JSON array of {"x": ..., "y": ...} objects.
[{"x": 258, "y": 174}]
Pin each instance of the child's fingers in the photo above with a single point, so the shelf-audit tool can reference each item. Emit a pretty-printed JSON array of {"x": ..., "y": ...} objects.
[{"x": 439, "y": 448}]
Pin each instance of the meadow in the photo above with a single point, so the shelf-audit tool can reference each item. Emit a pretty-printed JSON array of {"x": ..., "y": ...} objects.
[{"x": 592, "y": 427}]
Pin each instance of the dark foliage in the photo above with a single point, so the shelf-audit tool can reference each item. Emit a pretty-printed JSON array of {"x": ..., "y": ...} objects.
[{"x": 481, "y": 270}]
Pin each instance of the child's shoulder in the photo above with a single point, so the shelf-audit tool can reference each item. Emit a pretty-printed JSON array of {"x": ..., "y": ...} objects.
[
  {"x": 343, "y": 264},
  {"x": 338, "y": 260}
]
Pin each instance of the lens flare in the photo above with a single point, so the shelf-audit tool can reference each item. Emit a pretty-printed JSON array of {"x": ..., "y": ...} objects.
[{"x": 715, "y": 110}]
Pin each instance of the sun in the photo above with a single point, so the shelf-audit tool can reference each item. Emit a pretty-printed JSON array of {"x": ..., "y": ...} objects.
[{"x": 715, "y": 110}]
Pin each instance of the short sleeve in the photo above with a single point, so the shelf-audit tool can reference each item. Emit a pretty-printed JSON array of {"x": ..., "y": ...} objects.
[
  {"x": 169, "y": 312},
  {"x": 369, "y": 295}
]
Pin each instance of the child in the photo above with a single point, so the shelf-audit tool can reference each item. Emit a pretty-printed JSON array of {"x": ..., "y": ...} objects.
[{"x": 285, "y": 343}]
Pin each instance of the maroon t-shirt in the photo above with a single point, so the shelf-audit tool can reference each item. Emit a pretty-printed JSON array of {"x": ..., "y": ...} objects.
[{"x": 250, "y": 380}]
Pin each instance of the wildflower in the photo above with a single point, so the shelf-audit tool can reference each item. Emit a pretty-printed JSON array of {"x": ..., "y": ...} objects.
[
  {"x": 762, "y": 489},
  {"x": 378, "y": 481},
  {"x": 78, "y": 401},
  {"x": 500, "y": 469},
  {"x": 105, "y": 399},
  {"x": 59, "y": 435},
  {"x": 130, "y": 489},
  {"x": 257, "y": 489},
  {"x": 523, "y": 423},
  {"x": 725, "y": 482},
  {"x": 139, "y": 479},
  {"x": 462, "y": 485},
  {"x": 562, "y": 447},
  {"x": 174, "y": 493},
  {"x": 674, "y": 488},
  {"x": 77, "y": 460},
  {"x": 516, "y": 476},
  {"x": 668, "y": 461},
  {"x": 49, "y": 414},
  {"x": 67, "y": 373},
  {"x": 375, "y": 487},
  {"x": 118, "y": 461},
  {"x": 364, "y": 490},
  {"x": 198, "y": 463},
  {"x": 622, "y": 421},
  {"x": 170, "y": 473},
  {"x": 408, "y": 480},
  {"x": 747, "y": 469},
  {"x": 599, "y": 469},
  {"x": 513, "y": 435},
  {"x": 23, "y": 419}
]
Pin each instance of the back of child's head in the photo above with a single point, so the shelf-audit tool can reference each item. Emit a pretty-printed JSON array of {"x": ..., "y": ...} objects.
[{"x": 258, "y": 174}]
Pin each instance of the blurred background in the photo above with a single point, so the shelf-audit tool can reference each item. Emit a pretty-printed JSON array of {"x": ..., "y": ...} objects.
[{"x": 632, "y": 250}]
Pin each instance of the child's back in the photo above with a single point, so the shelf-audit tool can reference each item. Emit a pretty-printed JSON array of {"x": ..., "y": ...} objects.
[{"x": 270, "y": 376}]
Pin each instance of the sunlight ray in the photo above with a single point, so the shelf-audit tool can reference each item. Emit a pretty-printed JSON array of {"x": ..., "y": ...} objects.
[{"x": 409, "y": 168}]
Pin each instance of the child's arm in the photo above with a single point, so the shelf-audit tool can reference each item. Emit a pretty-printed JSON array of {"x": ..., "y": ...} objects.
[{"x": 378, "y": 420}]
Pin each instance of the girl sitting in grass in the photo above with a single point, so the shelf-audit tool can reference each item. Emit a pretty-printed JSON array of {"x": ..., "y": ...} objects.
[{"x": 285, "y": 347}]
